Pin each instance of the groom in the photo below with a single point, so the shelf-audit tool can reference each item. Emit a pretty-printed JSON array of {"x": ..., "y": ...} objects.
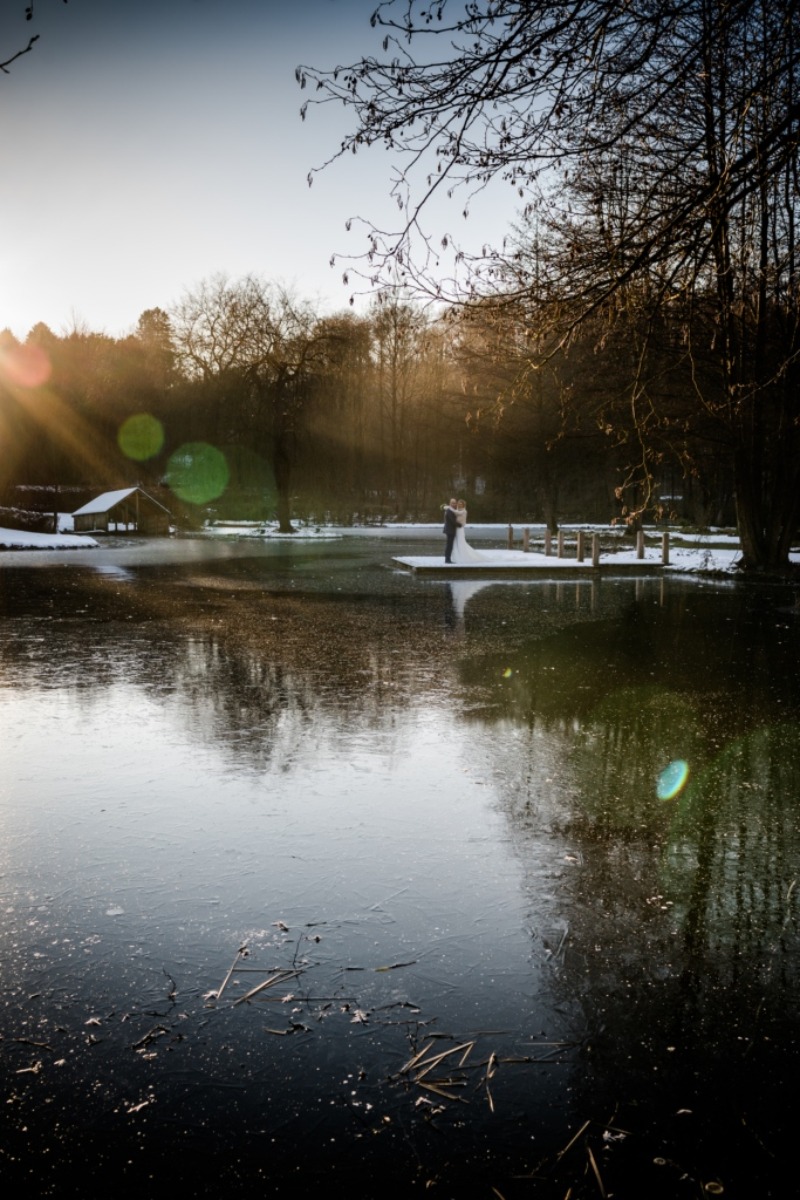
[{"x": 449, "y": 531}]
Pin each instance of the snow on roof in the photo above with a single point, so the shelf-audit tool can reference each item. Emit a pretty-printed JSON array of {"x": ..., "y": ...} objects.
[{"x": 108, "y": 500}]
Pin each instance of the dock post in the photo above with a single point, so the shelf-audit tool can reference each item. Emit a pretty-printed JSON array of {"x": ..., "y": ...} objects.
[
  {"x": 595, "y": 549},
  {"x": 548, "y": 542},
  {"x": 665, "y": 549},
  {"x": 511, "y": 537},
  {"x": 640, "y": 544},
  {"x": 561, "y": 543},
  {"x": 526, "y": 540},
  {"x": 581, "y": 547}
]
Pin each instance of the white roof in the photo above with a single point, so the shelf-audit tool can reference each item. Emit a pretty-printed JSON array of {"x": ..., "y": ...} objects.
[{"x": 108, "y": 500}]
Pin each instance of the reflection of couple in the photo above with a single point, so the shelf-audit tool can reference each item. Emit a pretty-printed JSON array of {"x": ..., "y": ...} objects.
[{"x": 456, "y": 548}]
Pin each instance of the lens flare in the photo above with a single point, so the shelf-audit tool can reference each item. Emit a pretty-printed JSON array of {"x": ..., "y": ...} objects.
[
  {"x": 27, "y": 366},
  {"x": 507, "y": 673},
  {"x": 141, "y": 437},
  {"x": 198, "y": 473},
  {"x": 672, "y": 779}
]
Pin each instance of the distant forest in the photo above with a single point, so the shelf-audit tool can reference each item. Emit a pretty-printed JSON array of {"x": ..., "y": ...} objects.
[{"x": 356, "y": 418}]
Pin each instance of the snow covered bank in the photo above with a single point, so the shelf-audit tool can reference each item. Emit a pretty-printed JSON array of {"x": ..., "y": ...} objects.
[{"x": 21, "y": 539}]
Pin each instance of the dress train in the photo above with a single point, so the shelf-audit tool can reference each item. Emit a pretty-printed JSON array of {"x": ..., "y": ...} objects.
[{"x": 463, "y": 553}]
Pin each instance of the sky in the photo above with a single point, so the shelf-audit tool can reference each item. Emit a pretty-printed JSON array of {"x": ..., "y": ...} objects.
[{"x": 150, "y": 144}]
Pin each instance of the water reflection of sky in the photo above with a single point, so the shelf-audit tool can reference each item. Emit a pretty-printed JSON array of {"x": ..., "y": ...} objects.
[
  {"x": 120, "y": 772},
  {"x": 454, "y": 833}
]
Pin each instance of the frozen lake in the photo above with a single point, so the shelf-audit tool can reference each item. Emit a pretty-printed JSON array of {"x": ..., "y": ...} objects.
[{"x": 429, "y": 823}]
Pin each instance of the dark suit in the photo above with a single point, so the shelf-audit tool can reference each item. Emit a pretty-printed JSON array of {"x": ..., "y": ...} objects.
[{"x": 449, "y": 531}]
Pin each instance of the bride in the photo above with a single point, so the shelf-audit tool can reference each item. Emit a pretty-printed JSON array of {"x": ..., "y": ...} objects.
[{"x": 463, "y": 553}]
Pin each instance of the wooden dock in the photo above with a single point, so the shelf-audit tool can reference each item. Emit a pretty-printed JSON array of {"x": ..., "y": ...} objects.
[
  {"x": 516, "y": 564},
  {"x": 524, "y": 563}
]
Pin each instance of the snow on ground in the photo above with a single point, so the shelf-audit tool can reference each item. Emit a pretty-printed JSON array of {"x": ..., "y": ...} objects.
[
  {"x": 697, "y": 561},
  {"x": 714, "y": 553},
  {"x": 260, "y": 529},
  {"x": 22, "y": 539}
]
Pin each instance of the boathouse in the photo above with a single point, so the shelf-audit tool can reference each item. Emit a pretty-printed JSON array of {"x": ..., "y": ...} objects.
[{"x": 129, "y": 510}]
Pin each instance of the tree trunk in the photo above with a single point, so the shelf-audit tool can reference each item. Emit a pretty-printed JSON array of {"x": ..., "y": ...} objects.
[
  {"x": 548, "y": 499},
  {"x": 283, "y": 477},
  {"x": 748, "y": 517},
  {"x": 766, "y": 523}
]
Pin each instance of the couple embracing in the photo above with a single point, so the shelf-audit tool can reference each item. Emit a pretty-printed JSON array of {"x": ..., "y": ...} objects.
[{"x": 456, "y": 548}]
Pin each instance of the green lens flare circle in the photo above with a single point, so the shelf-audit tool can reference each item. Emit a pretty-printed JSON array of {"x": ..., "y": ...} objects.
[
  {"x": 198, "y": 473},
  {"x": 672, "y": 779},
  {"x": 141, "y": 437}
]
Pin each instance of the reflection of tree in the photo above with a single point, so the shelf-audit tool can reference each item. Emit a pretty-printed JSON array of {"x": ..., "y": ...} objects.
[
  {"x": 618, "y": 752},
  {"x": 264, "y": 710},
  {"x": 259, "y": 673},
  {"x": 722, "y": 653},
  {"x": 683, "y": 931},
  {"x": 682, "y": 914},
  {"x": 259, "y": 710},
  {"x": 732, "y": 859}
]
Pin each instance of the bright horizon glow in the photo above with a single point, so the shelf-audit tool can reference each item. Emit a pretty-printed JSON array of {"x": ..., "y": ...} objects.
[{"x": 149, "y": 146}]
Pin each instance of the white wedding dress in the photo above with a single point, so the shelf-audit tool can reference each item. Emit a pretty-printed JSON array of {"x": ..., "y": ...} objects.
[{"x": 464, "y": 554}]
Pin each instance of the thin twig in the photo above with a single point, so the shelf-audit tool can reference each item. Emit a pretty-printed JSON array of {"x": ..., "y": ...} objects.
[
  {"x": 434, "y": 1062},
  {"x": 596, "y": 1172},
  {"x": 432, "y": 1087},
  {"x": 529, "y": 1058},
  {"x": 150, "y": 1036},
  {"x": 413, "y": 1061},
  {"x": 573, "y": 1140},
  {"x": 173, "y": 991},
  {"x": 226, "y": 980},
  {"x": 280, "y": 977},
  {"x": 14, "y": 57}
]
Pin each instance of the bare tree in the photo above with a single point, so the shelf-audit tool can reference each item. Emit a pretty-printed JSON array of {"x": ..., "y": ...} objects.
[
  {"x": 12, "y": 58},
  {"x": 257, "y": 346},
  {"x": 655, "y": 146},
  {"x": 341, "y": 468}
]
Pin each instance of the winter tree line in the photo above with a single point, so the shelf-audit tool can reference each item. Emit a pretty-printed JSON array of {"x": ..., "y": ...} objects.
[{"x": 352, "y": 418}]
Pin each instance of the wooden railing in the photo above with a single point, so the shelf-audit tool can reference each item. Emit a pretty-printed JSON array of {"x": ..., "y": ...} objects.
[{"x": 580, "y": 544}]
